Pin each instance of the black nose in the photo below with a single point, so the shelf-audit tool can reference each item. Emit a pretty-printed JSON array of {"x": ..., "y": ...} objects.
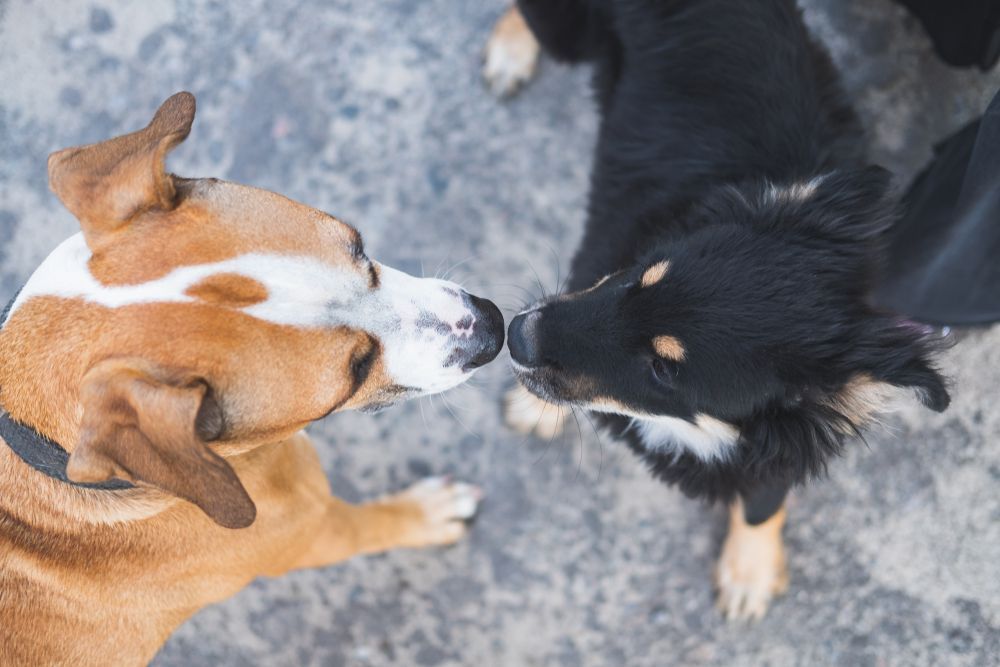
[
  {"x": 487, "y": 333},
  {"x": 522, "y": 339}
]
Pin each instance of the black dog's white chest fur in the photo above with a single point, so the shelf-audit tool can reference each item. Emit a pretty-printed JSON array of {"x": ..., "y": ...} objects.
[{"x": 706, "y": 438}]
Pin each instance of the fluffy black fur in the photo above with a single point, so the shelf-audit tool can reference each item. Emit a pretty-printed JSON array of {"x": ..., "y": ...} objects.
[{"x": 727, "y": 147}]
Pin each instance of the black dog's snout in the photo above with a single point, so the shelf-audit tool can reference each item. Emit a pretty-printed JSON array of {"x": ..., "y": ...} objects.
[
  {"x": 487, "y": 333},
  {"x": 522, "y": 339}
]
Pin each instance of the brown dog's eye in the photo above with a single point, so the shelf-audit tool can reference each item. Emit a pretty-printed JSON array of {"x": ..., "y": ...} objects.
[{"x": 361, "y": 365}]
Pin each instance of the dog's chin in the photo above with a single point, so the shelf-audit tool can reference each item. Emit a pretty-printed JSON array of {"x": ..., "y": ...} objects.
[
  {"x": 534, "y": 382},
  {"x": 376, "y": 408}
]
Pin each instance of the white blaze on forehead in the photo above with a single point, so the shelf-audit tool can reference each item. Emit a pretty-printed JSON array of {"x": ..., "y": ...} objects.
[
  {"x": 301, "y": 291},
  {"x": 418, "y": 321}
]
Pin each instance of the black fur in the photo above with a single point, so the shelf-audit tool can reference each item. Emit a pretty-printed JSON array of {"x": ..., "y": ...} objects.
[{"x": 727, "y": 147}]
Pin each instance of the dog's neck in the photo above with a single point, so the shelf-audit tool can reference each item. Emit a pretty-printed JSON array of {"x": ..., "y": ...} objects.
[
  {"x": 36, "y": 450},
  {"x": 39, "y": 374}
]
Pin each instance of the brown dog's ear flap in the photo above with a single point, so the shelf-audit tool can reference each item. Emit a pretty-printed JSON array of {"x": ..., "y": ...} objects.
[
  {"x": 106, "y": 184},
  {"x": 142, "y": 429}
]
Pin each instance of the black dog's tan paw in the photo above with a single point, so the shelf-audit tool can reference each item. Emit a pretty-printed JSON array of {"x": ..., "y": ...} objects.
[
  {"x": 526, "y": 413},
  {"x": 511, "y": 54},
  {"x": 751, "y": 570}
]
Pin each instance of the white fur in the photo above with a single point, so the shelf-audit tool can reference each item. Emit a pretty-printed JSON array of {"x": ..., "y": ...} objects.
[
  {"x": 302, "y": 292},
  {"x": 796, "y": 192},
  {"x": 707, "y": 438}
]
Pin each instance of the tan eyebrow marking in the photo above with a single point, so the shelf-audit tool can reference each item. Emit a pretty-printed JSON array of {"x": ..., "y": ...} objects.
[
  {"x": 228, "y": 289},
  {"x": 655, "y": 273},
  {"x": 669, "y": 347}
]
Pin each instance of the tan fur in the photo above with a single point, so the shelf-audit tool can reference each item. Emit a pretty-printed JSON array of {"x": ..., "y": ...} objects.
[
  {"x": 199, "y": 404},
  {"x": 669, "y": 347},
  {"x": 106, "y": 185},
  {"x": 654, "y": 274},
  {"x": 229, "y": 289},
  {"x": 751, "y": 569},
  {"x": 511, "y": 54},
  {"x": 530, "y": 415},
  {"x": 863, "y": 399}
]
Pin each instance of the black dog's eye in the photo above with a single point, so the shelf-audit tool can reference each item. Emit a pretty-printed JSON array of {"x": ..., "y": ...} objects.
[{"x": 664, "y": 371}]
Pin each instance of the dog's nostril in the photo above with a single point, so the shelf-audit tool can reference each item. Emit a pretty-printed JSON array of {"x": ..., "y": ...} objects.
[{"x": 488, "y": 317}]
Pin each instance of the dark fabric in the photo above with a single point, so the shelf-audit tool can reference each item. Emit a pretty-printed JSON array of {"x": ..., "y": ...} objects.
[
  {"x": 964, "y": 32},
  {"x": 6, "y": 309},
  {"x": 944, "y": 260},
  {"x": 44, "y": 455},
  {"x": 763, "y": 502}
]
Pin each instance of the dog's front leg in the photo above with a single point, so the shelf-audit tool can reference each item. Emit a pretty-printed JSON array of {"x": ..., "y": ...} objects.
[
  {"x": 751, "y": 568},
  {"x": 511, "y": 54},
  {"x": 432, "y": 512}
]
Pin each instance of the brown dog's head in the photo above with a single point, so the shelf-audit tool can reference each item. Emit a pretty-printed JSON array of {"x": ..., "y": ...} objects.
[{"x": 196, "y": 310}]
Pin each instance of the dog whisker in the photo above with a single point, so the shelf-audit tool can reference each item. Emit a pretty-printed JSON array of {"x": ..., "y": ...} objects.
[
  {"x": 459, "y": 420},
  {"x": 579, "y": 432},
  {"x": 456, "y": 265}
]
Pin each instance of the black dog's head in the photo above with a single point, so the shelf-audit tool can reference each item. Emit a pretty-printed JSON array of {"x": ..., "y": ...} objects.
[{"x": 755, "y": 325}]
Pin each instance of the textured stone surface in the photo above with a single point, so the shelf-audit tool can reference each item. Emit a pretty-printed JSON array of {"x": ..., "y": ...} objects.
[{"x": 375, "y": 112}]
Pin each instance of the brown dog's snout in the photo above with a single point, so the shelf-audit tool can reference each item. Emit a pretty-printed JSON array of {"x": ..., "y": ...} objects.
[{"x": 487, "y": 333}]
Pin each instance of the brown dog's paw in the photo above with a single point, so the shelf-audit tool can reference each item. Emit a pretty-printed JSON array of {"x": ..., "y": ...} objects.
[
  {"x": 440, "y": 509},
  {"x": 751, "y": 570},
  {"x": 511, "y": 54},
  {"x": 526, "y": 413}
]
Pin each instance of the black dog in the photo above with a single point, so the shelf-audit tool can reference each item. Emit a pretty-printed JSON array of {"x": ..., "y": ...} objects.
[{"x": 717, "y": 313}]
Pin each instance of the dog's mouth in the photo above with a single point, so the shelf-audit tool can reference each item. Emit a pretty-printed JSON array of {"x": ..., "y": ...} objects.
[{"x": 534, "y": 380}]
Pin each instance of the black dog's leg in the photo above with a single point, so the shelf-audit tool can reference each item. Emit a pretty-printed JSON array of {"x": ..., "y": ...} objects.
[
  {"x": 763, "y": 502},
  {"x": 569, "y": 30},
  {"x": 751, "y": 568}
]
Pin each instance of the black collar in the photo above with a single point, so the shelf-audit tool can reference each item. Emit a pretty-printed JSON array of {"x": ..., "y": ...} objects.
[{"x": 42, "y": 454}]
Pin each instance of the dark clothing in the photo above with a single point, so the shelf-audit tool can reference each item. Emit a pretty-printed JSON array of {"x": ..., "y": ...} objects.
[
  {"x": 944, "y": 263},
  {"x": 965, "y": 33}
]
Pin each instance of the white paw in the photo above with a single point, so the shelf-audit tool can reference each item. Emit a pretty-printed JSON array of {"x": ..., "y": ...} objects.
[
  {"x": 445, "y": 507},
  {"x": 511, "y": 54},
  {"x": 750, "y": 573},
  {"x": 526, "y": 413}
]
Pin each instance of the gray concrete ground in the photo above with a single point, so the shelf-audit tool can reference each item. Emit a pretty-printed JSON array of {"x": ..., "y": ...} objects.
[{"x": 375, "y": 112}]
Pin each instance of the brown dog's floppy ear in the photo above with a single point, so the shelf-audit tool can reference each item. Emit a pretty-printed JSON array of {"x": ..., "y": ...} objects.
[
  {"x": 106, "y": 184},
  {"x": 143, "y": 429}
]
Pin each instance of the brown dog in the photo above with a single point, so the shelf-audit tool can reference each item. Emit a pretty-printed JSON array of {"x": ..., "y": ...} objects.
[{"x": 156, "y": 373}]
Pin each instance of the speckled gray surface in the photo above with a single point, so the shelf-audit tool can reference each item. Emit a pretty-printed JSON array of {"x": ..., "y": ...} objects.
[{"x": 375, "y": 111}]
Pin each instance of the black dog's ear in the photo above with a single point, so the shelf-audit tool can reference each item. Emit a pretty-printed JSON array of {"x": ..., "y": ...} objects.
[
  {"x": 848, "y": 206},
  {"x": 900, "y": 354}
]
